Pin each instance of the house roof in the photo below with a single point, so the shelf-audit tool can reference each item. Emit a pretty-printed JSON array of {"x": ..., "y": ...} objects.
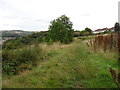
[{"x": 103, "y": 29}]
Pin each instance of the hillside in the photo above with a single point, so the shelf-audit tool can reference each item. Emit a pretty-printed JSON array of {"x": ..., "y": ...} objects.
[
  {"x": 15, "y": 33},
  {"x": 67, "y": 66}
]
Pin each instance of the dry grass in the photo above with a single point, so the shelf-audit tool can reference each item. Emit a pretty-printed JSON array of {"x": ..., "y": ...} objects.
[
  {"x": 106, "y": 42},
  {"x": 53, "y": 47}
]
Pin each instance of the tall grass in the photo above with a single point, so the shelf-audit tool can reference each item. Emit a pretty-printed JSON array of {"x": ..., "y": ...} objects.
[
  {"x": 16, "y": 61},
  {"x": 69, "y": 66},
  {"x": 107, "y": 43}
]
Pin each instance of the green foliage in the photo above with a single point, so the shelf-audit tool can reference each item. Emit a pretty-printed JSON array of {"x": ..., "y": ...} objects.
[
  {"x": 16, "y": 61},
  {"x": 82, "y": 33},
  {"x": 25, "y": 40},
  {"x": 105, "y": 32},
  {"x": 86, "y": 38},
  {"x": 61, "y": 30},
  {"x": 117, "y": 27},
  {"x": 86, "y": 32},
  {"x": 11, "y": 44}
]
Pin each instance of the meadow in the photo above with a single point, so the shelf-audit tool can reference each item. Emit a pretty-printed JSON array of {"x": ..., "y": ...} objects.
[{"x": 75, "y": 65}]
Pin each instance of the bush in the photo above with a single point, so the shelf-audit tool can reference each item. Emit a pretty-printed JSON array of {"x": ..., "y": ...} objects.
[
  {"x": 86, "y": 32},
  {"x": 16, "y": 61},
  {"x": 11, "y": 44}
]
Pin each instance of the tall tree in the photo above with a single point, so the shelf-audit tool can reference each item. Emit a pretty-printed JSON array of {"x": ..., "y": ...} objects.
[
  {"x": 85, "y": 32},
  {"x": 117, "y": 27},
  {"x": 61, "y": 30},
  {"x": 88, "y": 30}
]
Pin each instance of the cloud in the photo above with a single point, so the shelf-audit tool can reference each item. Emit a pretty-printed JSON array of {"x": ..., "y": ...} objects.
[
  {"x": 37, "y": 14},
  {"x": 85, "y": 14},
  {"x": 16, "y": 17}
]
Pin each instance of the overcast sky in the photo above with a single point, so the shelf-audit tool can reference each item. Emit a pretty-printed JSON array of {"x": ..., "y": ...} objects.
[{"x": 36, "y": 14}]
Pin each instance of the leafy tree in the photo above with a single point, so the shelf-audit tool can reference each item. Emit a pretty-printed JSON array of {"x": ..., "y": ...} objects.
[
  {"x": 61, "y": 30},
  {"x": 82, "y": 33},
  {"x": 85, "y": 32},
  {"x": 88, "y": 30}
]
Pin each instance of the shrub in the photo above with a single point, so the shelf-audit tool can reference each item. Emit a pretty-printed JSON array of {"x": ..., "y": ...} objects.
[{"x": 16, "y": 61}]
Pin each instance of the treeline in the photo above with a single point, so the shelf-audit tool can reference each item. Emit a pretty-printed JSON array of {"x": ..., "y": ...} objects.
[{"x": 24, "y": 40}]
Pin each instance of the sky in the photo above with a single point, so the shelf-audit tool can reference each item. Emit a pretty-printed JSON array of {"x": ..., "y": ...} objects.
[{"x": 36, "y": 15}]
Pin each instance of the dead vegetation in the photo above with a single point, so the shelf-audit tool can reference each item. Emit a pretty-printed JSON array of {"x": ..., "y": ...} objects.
[{"x": 110, "y": 42}]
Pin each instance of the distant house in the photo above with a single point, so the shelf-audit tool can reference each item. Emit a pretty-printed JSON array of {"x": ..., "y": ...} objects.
[{"x": 103, "y": 30}]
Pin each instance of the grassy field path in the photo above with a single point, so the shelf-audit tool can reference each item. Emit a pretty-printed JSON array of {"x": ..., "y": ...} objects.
[{"x": 73, "y": 66}]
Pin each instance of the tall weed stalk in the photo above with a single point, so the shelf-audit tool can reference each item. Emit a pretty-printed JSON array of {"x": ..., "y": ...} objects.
[{"x": 107, "y": 43}]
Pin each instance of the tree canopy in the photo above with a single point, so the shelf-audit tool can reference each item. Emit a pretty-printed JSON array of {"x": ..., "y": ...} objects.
[
  {"x": 85, "y": 32},
  {"x": 61, "y": 30},
  {"x": 117, "y": 27},
  {"x": 88, "y": 30}
]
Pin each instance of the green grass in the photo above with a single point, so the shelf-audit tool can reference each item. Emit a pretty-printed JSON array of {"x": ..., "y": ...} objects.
[
  {"x": 71, "y": 66},
  {"x": 86, "y": 38},
  {"x": 19, "y": 60}
]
